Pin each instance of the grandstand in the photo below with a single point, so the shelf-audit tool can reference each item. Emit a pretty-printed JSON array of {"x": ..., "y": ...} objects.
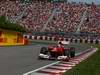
[{"x": 46, "y": 16}]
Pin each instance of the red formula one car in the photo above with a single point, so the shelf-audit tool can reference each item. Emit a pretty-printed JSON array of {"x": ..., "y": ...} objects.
[{"x": 56, "y": 52}]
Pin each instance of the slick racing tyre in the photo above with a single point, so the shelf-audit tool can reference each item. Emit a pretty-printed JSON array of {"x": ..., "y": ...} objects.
[
  {"x": 44, "y": 50},
  {"x": 72, "y": 52}
]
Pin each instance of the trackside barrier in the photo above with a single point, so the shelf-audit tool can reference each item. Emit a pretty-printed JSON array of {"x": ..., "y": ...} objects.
[{"x": 94, "y": 41}]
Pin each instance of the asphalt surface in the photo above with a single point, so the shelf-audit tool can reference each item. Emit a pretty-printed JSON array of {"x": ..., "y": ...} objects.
[{"x": 21, "y": 59}]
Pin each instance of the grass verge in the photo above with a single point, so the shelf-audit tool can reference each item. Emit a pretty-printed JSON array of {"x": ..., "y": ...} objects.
[
  {"x": 90, "y": 66},
  {"x": 42, "y": 42}
]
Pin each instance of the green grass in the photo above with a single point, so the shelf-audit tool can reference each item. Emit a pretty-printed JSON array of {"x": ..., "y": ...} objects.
[
  {"x": 42, "y": 42},
  {"x": 90, "y": 66}
]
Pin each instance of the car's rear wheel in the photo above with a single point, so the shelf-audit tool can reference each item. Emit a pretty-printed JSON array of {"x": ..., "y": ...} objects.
[{"x": 72, "y": 52}]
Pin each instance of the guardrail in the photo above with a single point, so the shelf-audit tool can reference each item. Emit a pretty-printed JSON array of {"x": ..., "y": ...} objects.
[{"x": 53, "y": 38}]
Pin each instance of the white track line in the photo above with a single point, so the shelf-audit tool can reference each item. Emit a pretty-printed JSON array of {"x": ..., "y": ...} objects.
[{"x": 41, "y": 68}]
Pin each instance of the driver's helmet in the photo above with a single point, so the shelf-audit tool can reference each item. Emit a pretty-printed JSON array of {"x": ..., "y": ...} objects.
[{"x": 60, "y": 44}]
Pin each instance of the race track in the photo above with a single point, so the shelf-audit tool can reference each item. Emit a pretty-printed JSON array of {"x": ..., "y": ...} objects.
[{"x": 21, "y": 59}]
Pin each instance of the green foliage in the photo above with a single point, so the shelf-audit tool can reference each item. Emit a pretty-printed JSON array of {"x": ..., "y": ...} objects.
[{"x": 5, "y": 24}]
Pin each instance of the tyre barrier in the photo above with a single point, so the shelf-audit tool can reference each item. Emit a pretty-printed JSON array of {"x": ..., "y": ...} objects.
[{"x": 72, "y": 40}]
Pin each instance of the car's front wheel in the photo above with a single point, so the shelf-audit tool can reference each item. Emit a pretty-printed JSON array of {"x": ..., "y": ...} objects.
[{"x": 44, "y": 50}]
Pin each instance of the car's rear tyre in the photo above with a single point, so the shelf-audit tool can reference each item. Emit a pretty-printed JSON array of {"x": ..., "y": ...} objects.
[{"x": 72, "y": 52}]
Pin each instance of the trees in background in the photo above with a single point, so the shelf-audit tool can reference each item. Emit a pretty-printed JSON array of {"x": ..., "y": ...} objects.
[{"x": 7, "y": 25}]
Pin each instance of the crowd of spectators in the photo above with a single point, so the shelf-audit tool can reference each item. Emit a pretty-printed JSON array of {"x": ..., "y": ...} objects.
[{"x": 67, "y": 17}]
